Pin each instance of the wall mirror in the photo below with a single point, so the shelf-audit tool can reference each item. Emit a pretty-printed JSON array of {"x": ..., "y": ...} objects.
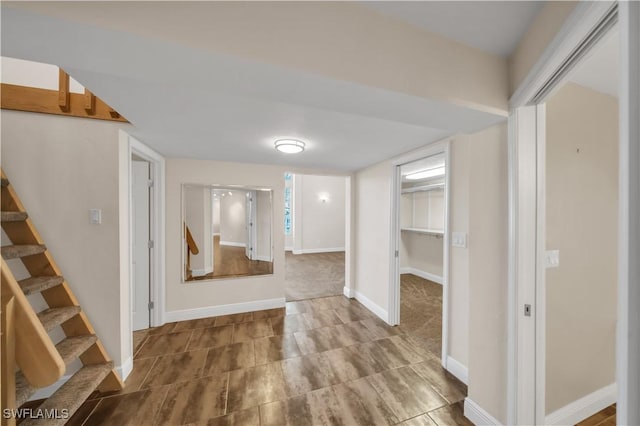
[{"x": 226, "y": 231}]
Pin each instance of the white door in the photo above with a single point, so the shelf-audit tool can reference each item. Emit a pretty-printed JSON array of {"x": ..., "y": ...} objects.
[
  {"x": 250, "y": 224},
  {"x": 140, "y": 254}
]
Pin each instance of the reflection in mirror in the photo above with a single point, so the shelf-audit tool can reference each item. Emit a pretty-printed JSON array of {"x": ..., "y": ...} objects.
[{"x": 226, "y": 231}]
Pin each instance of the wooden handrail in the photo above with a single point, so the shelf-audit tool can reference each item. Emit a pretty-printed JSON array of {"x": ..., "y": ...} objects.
[
  {"x": 35, "y": 353},
  {"x": 191, "y": 243}
]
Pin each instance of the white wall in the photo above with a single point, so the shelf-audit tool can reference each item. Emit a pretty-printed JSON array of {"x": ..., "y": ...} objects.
[
  {"x": 488, "y": 249},
  {"x": 61, "y": 167},
  {"x": 459, "y": 257},
  {"x": 196, "y": 218},
  {"x": 421, "y": 252},
  {"x": 233, "y": 218},
  {"x": 34, "y": 74},
  {"x": 582, "y": 222},
  {"x": 215, "y": 229},
  {"x": 264, "y": 213},
  {"x": 319, "y": 226}
]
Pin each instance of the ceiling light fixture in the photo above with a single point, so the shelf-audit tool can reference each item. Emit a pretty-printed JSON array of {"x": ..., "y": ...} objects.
[
  {"x": 289, "y": 146},
  {"x": 424, "y": 174}
]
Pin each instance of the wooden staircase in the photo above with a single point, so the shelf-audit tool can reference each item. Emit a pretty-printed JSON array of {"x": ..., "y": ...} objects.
[{"x": 64, "y": 311}]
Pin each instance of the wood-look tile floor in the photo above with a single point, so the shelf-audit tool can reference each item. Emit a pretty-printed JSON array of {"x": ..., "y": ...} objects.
[
  {"x": 605, "y": 417},
  {"x": 326, "y": 361}
]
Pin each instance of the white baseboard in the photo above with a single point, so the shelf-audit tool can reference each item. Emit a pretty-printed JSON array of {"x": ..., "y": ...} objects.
[
  {"x": 584, "y": 407},
  {"x": 457, "y": 369},
  {"x": 263, "y": 258},
  {"x": 422, "y": 274},
  {"x": 216, "y": 234},
  {"x": 288, "y": 248},
  {"x": 123, "y": 370},
  {"x": 477, "y": 414},
  {"x": 232, "y": 244},
  {"x": 318, "y": 250},
  {"x": 349, "y": 292},
  {"x": 201, "y": 272},
  {"x": 373, "y": 307},
  {"x": 217, "y": 310}
]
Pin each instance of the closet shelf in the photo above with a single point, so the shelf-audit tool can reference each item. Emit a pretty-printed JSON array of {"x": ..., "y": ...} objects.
[
  {"x": 424, "y": 231},
  {"x": 423, "y": 188}
]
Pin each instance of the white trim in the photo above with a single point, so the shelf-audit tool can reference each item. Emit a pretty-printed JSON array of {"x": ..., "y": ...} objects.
[
  {"x": 319, "y": 250},
  {"x": 288, "y": 248},
  {"x": 201, "y": 272},
  {"x": 216, "y": 234},
  {"x": 477, "y": 414},
  {"x": 584, "y": 407},
  {"x": 422, "y": 274},
  {"x": 217, "y": 310},
  {"x": 123, "y": 371},
  {"x": 541, "y": 273},
  {"x": 372, "y": 306},
  {"x": 576, "y": 28},
  {"x": 349, "y": 292},
  {"x": 459, "y": 370},
  {"x": 232, "y": 244},
  {"x": 628, "y": 332},
  {"x": 263, "y": 258}
]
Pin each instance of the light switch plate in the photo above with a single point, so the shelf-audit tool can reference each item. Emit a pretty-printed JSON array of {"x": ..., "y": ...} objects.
[
  {"x": 459, "y": 239},
  {"x": 95, "y": 216},
  {"x": 552, "y": 258}
]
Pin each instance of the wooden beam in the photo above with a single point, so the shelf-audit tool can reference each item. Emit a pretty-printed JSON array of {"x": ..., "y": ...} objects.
[
  {"x": 64, "y": 96},
  {"x": 89, "y": 102},
  {"x": 45, "y": 101}
]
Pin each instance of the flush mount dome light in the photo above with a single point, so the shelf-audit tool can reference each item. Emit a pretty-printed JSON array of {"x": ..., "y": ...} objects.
[{"x": 289, "y": 146}]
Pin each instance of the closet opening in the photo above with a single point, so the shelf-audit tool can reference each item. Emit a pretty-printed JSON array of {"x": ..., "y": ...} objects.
[{"x": 420, "y": 275}]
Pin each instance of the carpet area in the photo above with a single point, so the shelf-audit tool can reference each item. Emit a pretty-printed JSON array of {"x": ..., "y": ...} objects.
[{"x": 308, "y": 276}]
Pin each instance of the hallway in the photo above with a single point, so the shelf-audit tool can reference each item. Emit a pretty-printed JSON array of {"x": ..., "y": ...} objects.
[
  {"x": 319, "y": 361},
  {"x": 314, "y": 275}
]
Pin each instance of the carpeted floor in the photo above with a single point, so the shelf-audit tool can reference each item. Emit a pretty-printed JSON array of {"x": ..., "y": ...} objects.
[
  {"x": 421, "y": 311},
  {"x": 309, "y": 276}
]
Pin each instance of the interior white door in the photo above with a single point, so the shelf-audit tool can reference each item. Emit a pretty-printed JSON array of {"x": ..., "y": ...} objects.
[
  {"x": 250, "y": 225},
  {"x": 140, "y": 254}
]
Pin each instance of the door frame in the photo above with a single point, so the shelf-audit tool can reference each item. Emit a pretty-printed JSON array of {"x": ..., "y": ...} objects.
[
  {"x": 525, "y": 383},
  {"x": 438, "y": 147},
  {"x": 156, "y": 229}
]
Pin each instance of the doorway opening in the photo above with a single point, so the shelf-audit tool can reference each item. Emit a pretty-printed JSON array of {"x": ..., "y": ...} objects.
[
  {"x": 419, "y": 282},
  {"x": 554, "y": 208},
  {"x": 146, "y": 240},
  {"x": 316, "y": 234},
  {"x": 578, "y": 181},
  {"x": 421, "y": 254}
]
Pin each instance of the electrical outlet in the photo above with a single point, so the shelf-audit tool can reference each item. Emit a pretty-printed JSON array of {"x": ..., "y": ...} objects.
[{"x": 552, "y": 258}]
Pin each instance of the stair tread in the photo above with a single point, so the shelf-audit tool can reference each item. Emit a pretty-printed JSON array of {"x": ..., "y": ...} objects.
[
  {"x": 72, "y": 347},
  {"x": 38, "y": 284},
  {"x": 22, "y": 250},
  {"x": 53, "y": 317},
  {"x": 74, "y": 392},
  {"x": 13, "y": 216},
  {"x": 24, "y": 390}
]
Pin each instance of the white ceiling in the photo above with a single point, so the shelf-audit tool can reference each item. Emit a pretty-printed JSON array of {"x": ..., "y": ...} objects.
[
  {"x": 190, "y": 103},
  {"x": 600, "y": 69},
  {"x": 492, "y": 26}
]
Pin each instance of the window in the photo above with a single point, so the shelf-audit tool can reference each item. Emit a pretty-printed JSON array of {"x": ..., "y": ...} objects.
[{"x": 288, "y": 228}]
